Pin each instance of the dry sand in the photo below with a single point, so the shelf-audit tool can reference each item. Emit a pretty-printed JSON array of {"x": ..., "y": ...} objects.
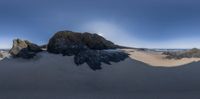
[
  {"x": 50, "y": 76},
  {"x": 157, "y": 59}
]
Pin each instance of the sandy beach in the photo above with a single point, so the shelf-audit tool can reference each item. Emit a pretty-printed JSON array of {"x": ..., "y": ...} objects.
[
  {"x": 50, "y": 76},
  {"x": 157, "y": 59},
  {"x": 99, "y": 49}
]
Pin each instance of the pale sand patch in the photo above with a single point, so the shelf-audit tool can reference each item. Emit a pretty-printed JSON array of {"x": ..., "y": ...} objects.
[{"x": 157, "y": 59}]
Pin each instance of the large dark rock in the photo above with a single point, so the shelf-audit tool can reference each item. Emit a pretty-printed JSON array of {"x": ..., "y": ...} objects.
[
  {"x": 97, "y": 42},
  {"x": 94, "y": 58},
  {"x": 71, "y": 43},
  {"x": 26, "y": 54},
  {"x": 33, "y": 47},
  {"x": 87, "y": 48},
  {"x": 24, "y": 49}
]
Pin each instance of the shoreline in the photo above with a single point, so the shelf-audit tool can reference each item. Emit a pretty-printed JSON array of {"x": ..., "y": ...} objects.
[{"x": 157, "y": 59}]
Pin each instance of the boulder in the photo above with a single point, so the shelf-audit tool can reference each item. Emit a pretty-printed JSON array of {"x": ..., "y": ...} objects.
[
  {"x": 18, "y": 45},
  {"x": 97, "y": 42},
  {"x": 33, "y": 47},
  {"x": 43, "y": 47},
  {"x": 71, "y": 43},
  {"x": 192, "y": 53},
  {"x": 66, "y": 43},
  {"x": 1, "y": 55},
  {"x": 86, "y": 48},
  {"x": 94, "y": 58},
  {"x": 24, "y": 49},
  {"x": 26, "y": 54}
]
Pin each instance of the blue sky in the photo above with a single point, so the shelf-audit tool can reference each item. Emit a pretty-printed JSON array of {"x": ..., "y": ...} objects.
[{"x": 137, "y": 23}]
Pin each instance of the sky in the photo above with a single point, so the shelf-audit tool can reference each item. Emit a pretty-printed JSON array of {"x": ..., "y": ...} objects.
[{"x": 135, "y": 23}]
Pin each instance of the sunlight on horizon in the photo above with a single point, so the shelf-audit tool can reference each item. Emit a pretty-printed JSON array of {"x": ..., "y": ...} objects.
[
  {"x": 119, "y": 36},
  {"x": 110, "y": 31},
  {"x": 5, "y": 43}
]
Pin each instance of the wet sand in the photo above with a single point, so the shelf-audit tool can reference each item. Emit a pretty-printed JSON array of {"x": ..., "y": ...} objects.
[{"x": 50, "y": 76}]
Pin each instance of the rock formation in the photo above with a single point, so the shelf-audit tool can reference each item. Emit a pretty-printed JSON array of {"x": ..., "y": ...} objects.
[
  {"x": 192, "y": 53},
  {"x": 86, "y": 48},
  {"x": 24, "y": 49},
  {"x": 70, "y": 43},
  {"x": 1, "y": 55},
  {"x": 94, "y": 58},
  {"x": 97, "y": 42}
]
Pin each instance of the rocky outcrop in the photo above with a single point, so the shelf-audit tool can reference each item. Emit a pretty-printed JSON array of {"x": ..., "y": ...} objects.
[
  {"x": 1, "y": 55},
  {"x": 18, "y": 45},
  {"x": 33, "y": 47},
  {"x": 70, "y": 43},
  {"x": 86, "y": 48},
  {"x": 94, "y": 58},
  {"x": 192, "y": 53},
  {"x": 96, "y": 42},
  {"x": 43, "y": 47},
  {"x": 24, "y": 49}
]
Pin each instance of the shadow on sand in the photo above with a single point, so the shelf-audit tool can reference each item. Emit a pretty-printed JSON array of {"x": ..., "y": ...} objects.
[{"x": 57, "y": 77}]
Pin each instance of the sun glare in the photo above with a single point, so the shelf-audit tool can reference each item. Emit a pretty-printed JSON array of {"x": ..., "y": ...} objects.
[{"x": 5, "y": 43}]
